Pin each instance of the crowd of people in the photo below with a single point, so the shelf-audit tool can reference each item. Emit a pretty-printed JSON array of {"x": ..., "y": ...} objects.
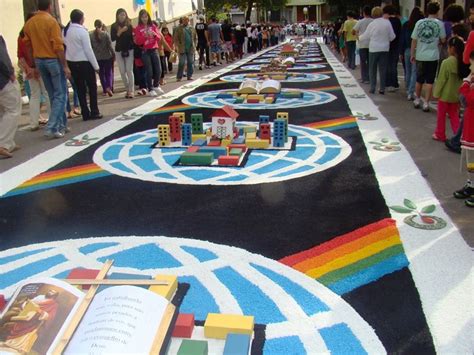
[
  {"x": 438, "y": 61},
  {"x": 53, "y": 58}
]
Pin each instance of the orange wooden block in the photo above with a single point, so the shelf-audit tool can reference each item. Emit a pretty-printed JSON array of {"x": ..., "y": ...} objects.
[
  {"x": 3, "y": 302},
  {"x": 184, "y": 326},
  {"x": 80, "y": 273},
  {"x": 232, "y": 160},
  {"x": 192, "y": 149}
]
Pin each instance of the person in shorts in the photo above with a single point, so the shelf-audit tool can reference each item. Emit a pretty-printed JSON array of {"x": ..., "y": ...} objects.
[
  {"x": 215, "y": 39},
  {"x": 226, "y": 30},
  {"x": 427, "y": 35}
]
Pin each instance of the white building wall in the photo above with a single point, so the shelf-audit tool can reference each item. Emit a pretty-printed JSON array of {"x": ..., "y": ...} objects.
[{"x": 11, "y": 24}]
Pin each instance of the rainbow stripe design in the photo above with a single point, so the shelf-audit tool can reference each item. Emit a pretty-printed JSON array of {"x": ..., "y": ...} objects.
[
  {"x": 174, "y": 108},
  {"x": 59, "y": 177},
  {"x": 335, "y": 124},
  {"x": 354, "y": 259}
]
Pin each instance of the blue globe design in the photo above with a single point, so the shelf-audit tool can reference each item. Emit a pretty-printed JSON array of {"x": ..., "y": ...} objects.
[
  {"x": 298, "y": 60},
  {"x": 309, "y": 77},
  {"x": 301, "y": 316},
  {"x": 296, "y": 67},
  {"x": 209, "y": 99},
  {"x": 133, "y": 157}
]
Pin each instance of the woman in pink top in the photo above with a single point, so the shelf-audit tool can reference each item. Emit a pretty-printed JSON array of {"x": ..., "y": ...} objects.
[{"x": 147, "y": 37}]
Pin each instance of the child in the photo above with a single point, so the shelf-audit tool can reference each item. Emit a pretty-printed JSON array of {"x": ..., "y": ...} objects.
[
  {"x": 467, "y": 140},
  {"x": 446, "y": 88}
]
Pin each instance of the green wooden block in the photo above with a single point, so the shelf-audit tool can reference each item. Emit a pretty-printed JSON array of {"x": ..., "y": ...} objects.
[
  {"x": 235, "y": 151},
  {"x": 188, "y": 158},
  {"x": 193, "y": 347},
  {"x": 248, "y": 129},
  {"x": 239, "y": 100}
]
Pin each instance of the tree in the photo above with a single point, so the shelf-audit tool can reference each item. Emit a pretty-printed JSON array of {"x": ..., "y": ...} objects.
[
  {"x": 214, "y": 7},
  {"x": 342, "y": 6}
]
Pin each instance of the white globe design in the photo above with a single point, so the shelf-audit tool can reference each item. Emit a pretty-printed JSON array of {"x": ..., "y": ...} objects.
[
  {"x": 296, "y": 67},
  {"x": 222, "y": 279},
  {"x": 209, "y": 99},
  {"x": 277, "y": 54},
  {"x": 132, "y": 157},
  {"x": 292, "y": 79},
  {"x": 298, "y": 60}
]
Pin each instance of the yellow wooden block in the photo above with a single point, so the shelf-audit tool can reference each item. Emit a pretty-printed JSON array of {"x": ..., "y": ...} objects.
[
  {"x": 166, "y": 291},
  {"x": 283, "y": 115},
  {"x": 250, "y": 135},
  {"x": 243, "y": 96},
  {"x": 181, "y": 116},
  {"x": 257, "y": 143},
  {"x": 195, "y": 137},
  {"x": 226, "y": 142},
  {"x": 217, "y": 326},
  {"x": 269, "y": 100},
  {"x": 256, "y": 97},
  {"x": 278, "y": 77},
  {"x": 164, "y": 143},
  {"x": 252, "y": 75}
]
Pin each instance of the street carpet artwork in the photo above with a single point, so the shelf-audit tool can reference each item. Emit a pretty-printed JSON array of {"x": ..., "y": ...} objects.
[{"x": 297, "y": 206}]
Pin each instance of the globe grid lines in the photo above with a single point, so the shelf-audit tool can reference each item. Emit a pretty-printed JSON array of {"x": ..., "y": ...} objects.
[{"x": 309, "y": 78}]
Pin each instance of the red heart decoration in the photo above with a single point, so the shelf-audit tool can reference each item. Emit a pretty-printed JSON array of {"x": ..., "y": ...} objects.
[{"x": 221, "y": 121}]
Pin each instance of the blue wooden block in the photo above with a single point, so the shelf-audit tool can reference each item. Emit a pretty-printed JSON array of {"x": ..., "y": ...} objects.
[
  {"x": 239, "y": 140},
  {"x": 264, "y": 119},
  {"x": 225, "y": 96},
  {"x": 200, "y": 142},
  {"x": 217, "y": 151},
  {"x": 237, "y": 344}
]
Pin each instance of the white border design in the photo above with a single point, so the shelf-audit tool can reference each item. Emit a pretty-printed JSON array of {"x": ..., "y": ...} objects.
[{"x": 310, "y": 77}]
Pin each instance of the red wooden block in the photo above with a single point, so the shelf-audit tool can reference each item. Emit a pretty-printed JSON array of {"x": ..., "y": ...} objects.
[
  {"x": 79, "y": 273},
  {"x": 242, "y": 147},
  {"x": 214, "y": 143},
  {"x": 192, "y": 149},
  {"x": 232, "y": 160},
  {"x": 184, "y": 326},
  {"x": 253, "y": 101},
  {"x": 3, "y": 302}
]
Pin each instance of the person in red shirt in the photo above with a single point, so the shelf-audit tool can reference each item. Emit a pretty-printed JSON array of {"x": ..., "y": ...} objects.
[{"x": 169, "y": 40}]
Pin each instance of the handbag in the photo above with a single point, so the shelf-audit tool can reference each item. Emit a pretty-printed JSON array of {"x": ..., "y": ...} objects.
[
  {"x": 173, "y": 57},
  {"x": 125, "y": 54}
]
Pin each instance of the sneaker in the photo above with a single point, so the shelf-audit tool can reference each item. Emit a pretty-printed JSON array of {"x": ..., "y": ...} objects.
[
  {"x": 466, "y": 192},
  {"x": 381, "y": 92},
  {"x": 390, "y": 89},
  {"x": 417, "y": 102},
  {"x": 410, "y": 97},
  {"x": 152, "y": 93},
  {"x": 219, "y": 63},
  {"x": 200, "y": 67},
  {"x": 469, "y": 202},
  {"x": 426, "y": 107},
  {"x": 159, "y": 91},
  {"x": 58, "y": 135},
  {"x": 208, "y": 67}
]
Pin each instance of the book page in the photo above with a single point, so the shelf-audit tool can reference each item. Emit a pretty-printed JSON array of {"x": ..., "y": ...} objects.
[
  {"x": 270, "y": 87},
  {"x": 37, "y": 315},
  {"x": 120, "y": 319},
  {"x": 248, "y": 86}
]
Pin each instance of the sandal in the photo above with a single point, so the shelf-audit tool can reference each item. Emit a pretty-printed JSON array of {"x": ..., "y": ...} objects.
[
  {"x": 4, "y": 153},
  {"x": 76, "y": 111},
  {"x": 42, "y": 120}
]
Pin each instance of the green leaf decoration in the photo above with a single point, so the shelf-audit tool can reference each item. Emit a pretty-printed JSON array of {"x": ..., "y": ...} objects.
[
  {"x": 385, "y": 140},
  {"x": 428, "y": 209},
  {"x": 376, "y": 143},
  {"x": 85, "y": 137},
  {"x": 395, "y": 143},
  {"x": 401, "y": 209},
  {"x": 409, "y": 204}
]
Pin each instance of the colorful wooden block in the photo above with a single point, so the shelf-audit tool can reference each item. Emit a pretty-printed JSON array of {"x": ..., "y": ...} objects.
[
  {"x": 239, "y": 100},
  {"x": 193, "y": 347},
  {"x": 253, "y": 101},
  {"x": 80, "y": 273},
  {"x": 256, "y": 97},
  {"x": 282, "y": 115},
  {"x": 250, "y": 135},
  {"x": 193, "y": 149},
  {"x": 269, "y": 100},
  {"x": 243, "y": 95},
  {"x": 214, "y": 143},
  {"x": 247, "y": 129},
  {"x": 196, "y": 158},
  {"x": 235, "y": 151},
  {"x": 232, "y": 160},
  {"x": 219, "y": 325},
  {"x": 257, "y": 143},
  {"x": 197, "y": 137},
  {"x": 224, "y": 96},
  {"x": 226, "y": 142},
  {"x": 239, "y": 140},
  {"x": 184, "y": 326},
  {"x": 166, "y": 291},
  {"x": 216, "y": 151},
  {"x": 242, "y": 147},
  {"x": 237, "y": 344},
  {"x": 181, "y": 115}
]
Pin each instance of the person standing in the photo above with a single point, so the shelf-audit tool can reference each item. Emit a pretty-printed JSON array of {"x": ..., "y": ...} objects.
[
  {"x": 147, "y": 37},
  {"x": 10, "y": 103},
  {"x": 394, "y": 52},
  {"x": 83, "y": 64},
  {"x": 169, "y": 40},
  {"x": 226, "y": 29},
  {"x": 379, "y": 33},
  {"x": 350, "y": 39},
  {"x": 359, "y": 29},
  {"x": 185, "y": 43},
  {"x": 203, "y": 43},
  {"x": 43, "y": 38},
  {"x": 32, "y": 77},
  {"x": 405, "y": 50},
  {"x": 426, "y": 37},
  {"x": 122, "y": 34},
  {"x": 105, "y": 55}
]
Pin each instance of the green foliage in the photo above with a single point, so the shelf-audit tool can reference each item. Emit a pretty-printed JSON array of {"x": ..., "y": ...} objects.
[{"x": 220, "y": 8}]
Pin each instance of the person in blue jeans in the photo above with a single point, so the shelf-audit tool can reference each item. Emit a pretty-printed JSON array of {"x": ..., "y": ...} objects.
[
  {"x": 405, "y": 50},
  {"x": 43, "y": 35},
  {"x": 185, "y": 43},
  {"x": 71, "y": 111}
]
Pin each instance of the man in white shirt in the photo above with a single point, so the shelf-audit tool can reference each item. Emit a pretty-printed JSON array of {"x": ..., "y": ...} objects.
[
  {"x": 379, "y": 33},
  {"x": 83, "y": 64},
  {"x": 359, "y": 29}
]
